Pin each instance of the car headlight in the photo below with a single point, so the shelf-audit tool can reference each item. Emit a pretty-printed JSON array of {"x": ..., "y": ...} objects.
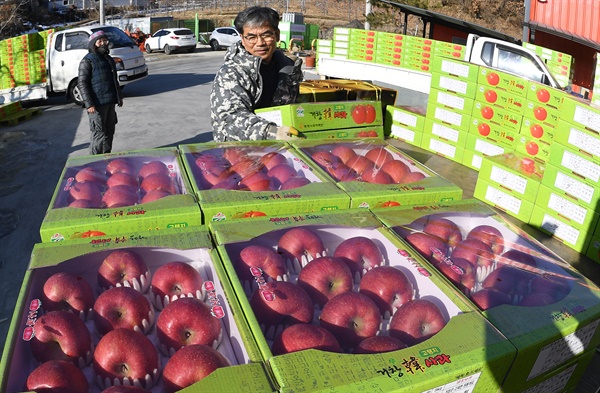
[{"x": 120, "y": 65}]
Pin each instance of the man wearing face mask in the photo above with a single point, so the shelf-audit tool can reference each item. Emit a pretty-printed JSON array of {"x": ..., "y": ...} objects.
[
  {"x": 255, "y": 74},
  {"x": 100, "y": 92}
]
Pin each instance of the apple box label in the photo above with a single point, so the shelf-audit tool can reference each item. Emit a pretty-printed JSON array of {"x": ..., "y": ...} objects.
[
  {"x": 217, "y": 312},
  {"x": 209, "y": 286},
  {"x": 28, "y": 333}
]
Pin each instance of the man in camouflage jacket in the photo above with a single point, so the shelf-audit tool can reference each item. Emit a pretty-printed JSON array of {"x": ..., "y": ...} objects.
[{"x": 255, "y": 74}]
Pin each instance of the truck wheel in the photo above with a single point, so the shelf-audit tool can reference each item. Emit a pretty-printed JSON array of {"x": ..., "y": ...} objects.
[
  {"x": 214, "y": 44},
  {"x": 148, "y": 50},
  {"x": 75, "y": 94},
  {"x": 167, "y": 49}
]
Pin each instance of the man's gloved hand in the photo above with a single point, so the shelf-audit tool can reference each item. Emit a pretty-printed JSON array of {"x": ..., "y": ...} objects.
[{"x": 286, "y": 133}]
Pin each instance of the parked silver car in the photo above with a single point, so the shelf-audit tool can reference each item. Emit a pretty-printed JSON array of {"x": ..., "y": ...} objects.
[
  {"x": 223, "y": 37},
  {"x": 171, "y": 40}
]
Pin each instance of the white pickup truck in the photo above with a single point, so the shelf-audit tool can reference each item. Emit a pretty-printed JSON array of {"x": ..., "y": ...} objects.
[{"x": 64, "y": 51}]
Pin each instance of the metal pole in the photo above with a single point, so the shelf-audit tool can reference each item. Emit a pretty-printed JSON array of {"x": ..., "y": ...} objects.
[
  {"x": 526, "y": 20},
  {"x": 368, "y": 9},
  {"x": 101, "y": 12}
]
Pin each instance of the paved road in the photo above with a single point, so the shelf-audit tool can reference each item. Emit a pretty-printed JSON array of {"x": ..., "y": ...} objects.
[{"x": 168, "y": 108}]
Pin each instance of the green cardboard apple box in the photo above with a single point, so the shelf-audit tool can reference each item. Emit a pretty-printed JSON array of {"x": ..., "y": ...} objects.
[
  {"x": 495, "y": 115},
  {"x": 347, "y": 133},
  {"x": 477, "y": 147},
  {"x": 511, "y": 83},
  {"x": 398, "y": 131},
  {"x": 388, "y": 60},
  {"x": 580, "y": 139},
  {"x": 453, "y": 135},
  {"x": 83, "y": 257},
  {"x": 493, "y": 132},
  {"x": 534, "y": 148},
  {"x": 498, "y": 197},
  {"x": 593, "y": 250},
  {"x": 316, "y": 193},
  {"x": 322, "y": 116},
  {"x": 579, "y": 216},
  {"x": 449, "y": 49},
  {"x": 545, "y": 114},
  {"x": 448, "y": 115},
  {"x": 442, "y": 147},
  {"x": 500, "y": 98},
  {"x": 466, "y": 352},
  {"x": 430, "y": 187},
  {"x": 581, "y": 113},
  {"x": 540, "y": 130},
  {"x": 390, "y": 38},
  {"x": 575, "y": 162},
  {"x": 544, "y": 94},
  {"x": 561, "y": 228},
  {"x": 450, "y": 83},
  {"x": 451, "y": 100},
  {"x": 64, "y": 221},
  {"x": 571, "y": 187},
  {"x": 410, "y": 117},
  {"x": 456, "y": 68},
  {"x": 516, "y": 173},
  {"x": 547, "y": 336}
]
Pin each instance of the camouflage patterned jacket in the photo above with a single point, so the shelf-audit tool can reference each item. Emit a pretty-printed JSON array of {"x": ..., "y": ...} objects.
[{"x": 237, "y": 88}]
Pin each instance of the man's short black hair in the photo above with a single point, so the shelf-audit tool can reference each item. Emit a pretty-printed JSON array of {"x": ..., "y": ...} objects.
[{"x": 256, "y": 16}]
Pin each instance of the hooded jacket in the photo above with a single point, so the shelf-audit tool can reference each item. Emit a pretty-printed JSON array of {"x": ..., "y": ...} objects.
[
  {"x": 237, "y": 88},
  {"x": 97, "y": 80}
]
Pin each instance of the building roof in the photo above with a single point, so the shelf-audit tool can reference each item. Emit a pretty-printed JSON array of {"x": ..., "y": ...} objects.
[{"x": 459, "y": 24}]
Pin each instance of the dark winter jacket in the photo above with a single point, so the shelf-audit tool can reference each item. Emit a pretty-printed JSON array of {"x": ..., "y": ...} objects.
[
  {"x": 237, "y": 88},
  {"x": 97, "y": 80}
]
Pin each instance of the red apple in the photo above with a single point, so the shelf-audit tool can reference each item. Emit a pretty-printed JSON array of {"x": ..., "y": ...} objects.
[
  {"x": 359, "y": 114},
  {"x": 412, "y": 177},
  {"x": 294, "y": 182},
  {"x": 493, "y": 78},
  {"x": 90, "y": 174},
  {"x": 556, "y": 286},
  {"x": 343, "y": 152},
  {"x": 487, "y": 112},
  {"x": 264, "y": 258},
  {"x": 281, "y": 303},
  {"x": 416, "y": 321},
  {"x": 258, "y": 181},
  {"x": 235, "y": 154},
  {"x": 125, "y": 357},
  {"x": 351, "y": 317},
  {"x": 537, "y": 299},
  {"x": 540, "y": 113},
  {"x": 191, "y": 364},
  {"x": 484, "y": 129},
  {"x": 509, "y": 281},
  {"x": 388, "y": 287},
  {"x": 396, "y": 169},
  {"x": 175, "y": 280},
  {"x": 360, "y": 253},
  {"x": 280, "y": 173},
  {"x": 88, "y": 191},
  {"x": 57, "y": 376},
  {"x": 379, "y": 156},
  {"x": 82, "y": 204},
  {"x": 69, "y": 292},
  {"x": 303, "y": 336},
  {"x": 159, "y": 181},
  {"x": 122, "y": 307},
  {"x": 324, "y": 158},
  {"x": 124, "y": 268},
  {"x": 272, "y": 159},
  {"x": 245, "y": 167},
  {"x": 543, "y": 95},
  {"x": 376, "y": 176},
  {"x": 122, "y": 179},
  {"x": 370, "y": 114},
  {"x": 536, "y": 130},
  {"x": 342, "y": 172},
  {"x": 119, "y": 165},
  {"x": 231, "y": 183},
  {"x": 300, "y": 246},
  {"x": 61, "y": 335},
  {"x": 445, "y": 229},
  {"x": 429, "y": 246},
  {"x": 154, "y": 195},
  {"x": 379, "y": 344},
  {"x": 360, "y": 164},
  {"x": 187, "y": 321},
  {"x": 476, "y": 252},
  {"x": 153, "y": 167},
  {"x": 461, "y": 272},
  {"x": 120, "y": 196},
  {"x": 489, "y": 235},
  {"x": 489, "y": 298},
  {"x": 324, "y": 278}
]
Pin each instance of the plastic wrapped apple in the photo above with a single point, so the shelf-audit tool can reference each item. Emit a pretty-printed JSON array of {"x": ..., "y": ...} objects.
[
  {"x": 325, "y": 277},
  {"x": 124, "y": 268},
  {"x": 123, "y": 307},
  {"x": 69, "y": 292},
  {"x": 416, "y": 321},
  {"x": 360, "y": 253},
  {"x": 299, "y": 246},
  {"x": 303, "y": 336},
  {"x": 57, "y": 376},
  {"x": 175, "y": 280}
]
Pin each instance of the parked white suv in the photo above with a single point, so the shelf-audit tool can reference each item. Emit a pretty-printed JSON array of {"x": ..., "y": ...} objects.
[
  {"x": 223, "y": 37},
  {"x": 171, "y": 40}
]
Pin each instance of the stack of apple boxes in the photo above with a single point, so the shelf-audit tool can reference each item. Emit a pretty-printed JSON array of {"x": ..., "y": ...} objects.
[
  {"x": 560, "y": 64},
  {"x": 23, "y": 60},
  {"x": 596, "y": 87}
]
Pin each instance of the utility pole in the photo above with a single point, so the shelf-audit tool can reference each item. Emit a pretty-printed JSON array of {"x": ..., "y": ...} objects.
[
  {"x": 101, "y": 12},
  {"x": 368, "y": 9}
]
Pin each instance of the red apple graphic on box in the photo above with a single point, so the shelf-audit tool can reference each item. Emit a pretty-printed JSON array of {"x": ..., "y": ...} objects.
[
  {"x": 416, "y": 321},
  {"x": 124, "y": 268},
  {"x": 487, "y": 112},
  {"x": 125, "y": 357},
  {"x": 532, "y": 148},
  {"x": 540, "y": 113},
  {"x": 493, "y": 78},
  {"x": 57, "y": 376},
  {"x": 69, "y": 292},
  {"x": 191, "y": 364},
  {"x": 175, "y": 280},
  {"x": 543, "y": 95},
  {"x": 61, "y": 335},
  {"x": 123, "y": 307},
  {"x": 187, "y": 321},
  {"x": 491, "y": 96},
  {"x": 536, "y": 130},
  {"x": 303, "y": 336},
  {"x": 388, "y": 287},
  {"x": 379, "y": 344},
  {"x": 325, "y": 277},
  {"x": 359, "y": 114},
  {"x": 351, "y": 317},
  {"x": 370, "y": 114},
  {"x": 484, "y": 129}
]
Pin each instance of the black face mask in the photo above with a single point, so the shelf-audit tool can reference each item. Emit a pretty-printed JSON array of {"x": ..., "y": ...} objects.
[{"x": 103, "y": 49}]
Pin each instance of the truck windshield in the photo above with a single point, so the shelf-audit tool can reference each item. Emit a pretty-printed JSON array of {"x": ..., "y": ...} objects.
[
  {"x": 116, "y": 36},
  {"x": 520, "y": 64}
]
